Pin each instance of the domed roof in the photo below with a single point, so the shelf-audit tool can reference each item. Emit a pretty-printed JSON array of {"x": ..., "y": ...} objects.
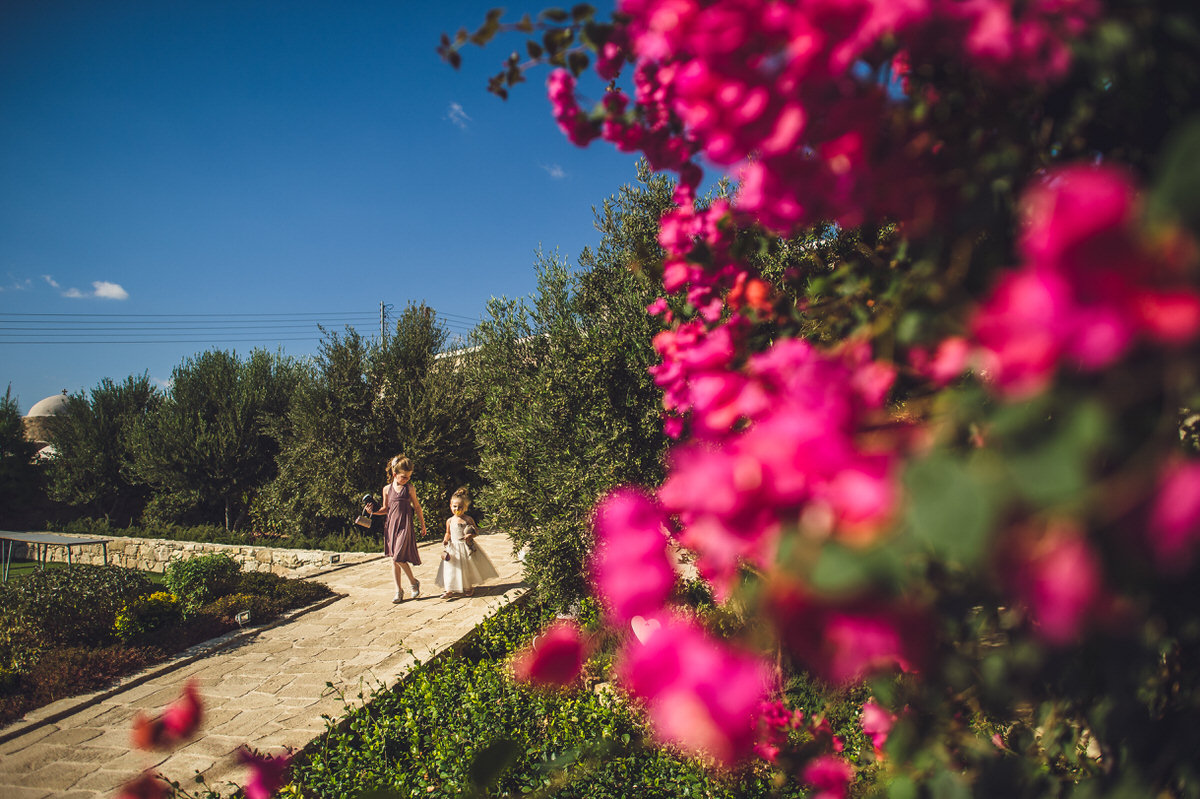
[{"x": 50, "y": 406}]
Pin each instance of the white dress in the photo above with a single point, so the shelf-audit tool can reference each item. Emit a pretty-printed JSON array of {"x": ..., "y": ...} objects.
[{"x": 464, "y": 569}]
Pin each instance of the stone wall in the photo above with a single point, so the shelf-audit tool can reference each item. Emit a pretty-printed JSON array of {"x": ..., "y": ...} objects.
[{"x": 153, "y": 555}]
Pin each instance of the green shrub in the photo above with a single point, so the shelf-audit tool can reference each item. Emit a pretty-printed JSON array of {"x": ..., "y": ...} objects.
[
  {"x": 146, "y": 614},
  {"x": 200, "y": 580},
  {"x": 20, "y": 647},
  {"x": 288, "y": 593},
  {"x": 75, "y": 605},
  {"x": 226, "y": 608}
]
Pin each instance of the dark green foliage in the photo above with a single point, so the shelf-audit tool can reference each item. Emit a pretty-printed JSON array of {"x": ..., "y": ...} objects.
[
  {"x": 362, "y": 403},
  {"x": 568, "y": 409},
  {"x": 20, "y": 646},
  {"x": 288, "y": 593},
  {"x": 197, "y": 581},
  {"x": 226, "y": 608},
  {"x": 92, "y": 470},
  {"x": 19, "y": 480},
  {"x": 461, "y": 721},
  {"x": 76, "y": 605},
  {"x": 211, "y": 443}
]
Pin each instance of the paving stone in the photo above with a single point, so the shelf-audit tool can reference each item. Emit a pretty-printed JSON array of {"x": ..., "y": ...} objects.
[
  {"x": 73, "y": 736},
  {"x": 14, "y": 791},
  {"x": 59, "y": 776}
]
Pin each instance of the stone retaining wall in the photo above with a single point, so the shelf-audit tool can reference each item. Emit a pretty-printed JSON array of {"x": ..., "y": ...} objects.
[{"x": 153, "y": 555}]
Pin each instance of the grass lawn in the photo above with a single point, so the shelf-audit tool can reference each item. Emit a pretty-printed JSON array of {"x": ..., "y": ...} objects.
[{"x": 19, "y": 568}]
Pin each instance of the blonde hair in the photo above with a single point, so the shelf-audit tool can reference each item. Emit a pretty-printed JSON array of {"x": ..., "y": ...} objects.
[
  {"x": 463, "y": 493},
  {"x": 398, "y": 464}
]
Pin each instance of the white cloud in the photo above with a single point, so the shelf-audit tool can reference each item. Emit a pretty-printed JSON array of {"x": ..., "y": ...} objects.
[
  {"x": 101, "y": 290},
  {"x": 164, "y": 384},
  {"x": 53, "y": 283},
  {"x": 17, "y": 284},
  {"x": 554, "y": 171},
  {"x": 458, "y": 116},
  {"x": 109, "y": 291}
]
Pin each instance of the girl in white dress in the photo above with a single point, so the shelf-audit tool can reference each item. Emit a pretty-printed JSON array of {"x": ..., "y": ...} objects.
[{"x": 464, "y": 564}]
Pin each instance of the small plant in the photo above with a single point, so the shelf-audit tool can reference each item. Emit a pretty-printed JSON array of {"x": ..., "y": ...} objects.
[
  {"x": 228, "y": 607},
  {"x": 200, "y": 580},
  {"x": 146, "y": 614}
]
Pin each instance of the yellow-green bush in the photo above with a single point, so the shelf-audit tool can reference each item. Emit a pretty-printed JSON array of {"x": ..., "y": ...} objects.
[{"x": 147, "y": 613}]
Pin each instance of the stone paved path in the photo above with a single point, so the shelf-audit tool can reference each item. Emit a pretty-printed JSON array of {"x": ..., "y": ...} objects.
[{"x": 267, "y": 689}]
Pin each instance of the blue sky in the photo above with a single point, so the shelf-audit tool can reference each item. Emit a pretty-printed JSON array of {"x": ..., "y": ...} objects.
[{"x": 189, "y": 164}]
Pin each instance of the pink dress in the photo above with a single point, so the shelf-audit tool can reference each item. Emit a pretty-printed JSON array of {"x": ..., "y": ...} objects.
[{"x": 399, "y": 533}]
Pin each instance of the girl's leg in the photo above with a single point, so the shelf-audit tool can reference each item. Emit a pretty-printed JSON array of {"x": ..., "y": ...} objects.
[
  {"x": 396, "y": 577},
  {"x": 416, "y": 585}
]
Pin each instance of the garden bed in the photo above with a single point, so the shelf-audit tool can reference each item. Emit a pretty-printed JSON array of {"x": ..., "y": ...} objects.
[
  {"x": 69, "y": 631},
  {"x": 459, "y": 725}
]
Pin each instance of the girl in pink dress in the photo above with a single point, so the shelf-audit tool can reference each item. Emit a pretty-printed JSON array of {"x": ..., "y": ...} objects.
[{"x": 400, "y": 506}]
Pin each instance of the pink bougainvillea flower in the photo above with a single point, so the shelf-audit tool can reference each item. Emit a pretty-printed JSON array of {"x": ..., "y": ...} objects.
[
  {"x": 179, "y": 721},
  {"x": 774, "y": 722},
  {"x": 1057, "y": 577},
  {"x": 555, "y": 658},
  {"x": 1173, "y": 531},
  {"x": 847, "y": 641},
  {"x": 947, "y": 362},
  {"x": 701, "y": 694},
  {"x": 829, "y": 776},
  {"x": 630, "y": 567},
  {"x": 147, "y": 785},
  {"x": 182, "y": 718},
  {"x": 876, "y": 724},
  {"x": 267, "y": 774}
]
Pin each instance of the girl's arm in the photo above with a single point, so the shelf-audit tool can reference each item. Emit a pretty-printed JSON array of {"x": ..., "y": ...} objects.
[
  {"x": 420, "y": 514},
  {"x": 446, "y": 537},
  {"x": 471, "y": 522},
  {"x": 383, "y": 509}
]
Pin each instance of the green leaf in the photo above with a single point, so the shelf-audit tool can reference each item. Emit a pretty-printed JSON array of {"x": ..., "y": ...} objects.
[
  {"x": 950, "y": 509},
  {"x": 491, "y": 761},
  {"x": 554, "y": 15},
  {"x": 902, "y": 788},
  {"x": 577, "y": 62},
  {"x": 840, "y": 570},
  {"x": 1176, "y": 192}
]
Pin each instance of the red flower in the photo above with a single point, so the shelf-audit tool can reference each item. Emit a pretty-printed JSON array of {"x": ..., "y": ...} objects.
[{"x": 554, "y": 659}]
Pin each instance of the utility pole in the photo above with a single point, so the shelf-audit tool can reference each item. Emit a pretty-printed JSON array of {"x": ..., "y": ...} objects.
[{"x": 382, "y": 322}]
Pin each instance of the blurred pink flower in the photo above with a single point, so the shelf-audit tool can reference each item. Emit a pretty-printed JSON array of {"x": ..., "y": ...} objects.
[
  {"x": 554, "y": 658},
  {"x": 267, "y": 774},
  {"x": 630, "y": 568},
  {"x": 1173, "y": 531},
  {"x": 829, "y": 776},
  {"x": 876, "y": 724},
  {"x": 178, "y": 722},
  {"x": 851, "y": 640},
  {"x": 147, "y": 785},
  {"x": 1057, "y": 577},
  {"x": 182, "y": 718},
  {"x": 701, "y": 694}
]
